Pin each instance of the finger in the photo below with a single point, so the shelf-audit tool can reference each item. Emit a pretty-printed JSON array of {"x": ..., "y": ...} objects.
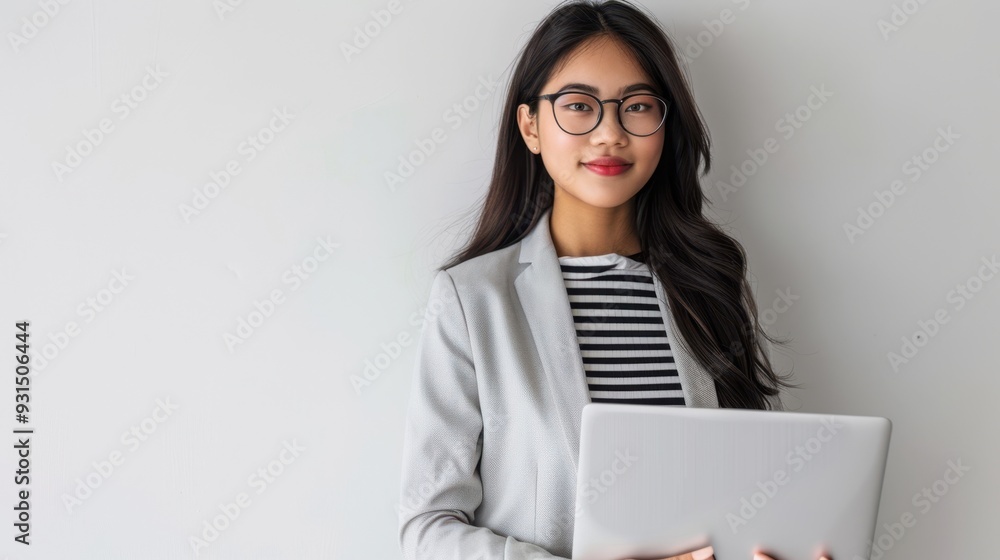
[
  {"x": 707, "y": 553},
  {"x": 761, "y": 556}
]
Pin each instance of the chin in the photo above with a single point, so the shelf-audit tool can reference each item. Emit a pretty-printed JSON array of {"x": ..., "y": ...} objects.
[{"x": 605, "y": 199}]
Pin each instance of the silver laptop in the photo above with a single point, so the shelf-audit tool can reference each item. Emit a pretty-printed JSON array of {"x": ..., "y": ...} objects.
[{"x": 657, "y": 481}]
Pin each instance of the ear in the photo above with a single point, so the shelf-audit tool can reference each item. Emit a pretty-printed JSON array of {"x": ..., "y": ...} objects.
[{"x": 528, "y": 125}]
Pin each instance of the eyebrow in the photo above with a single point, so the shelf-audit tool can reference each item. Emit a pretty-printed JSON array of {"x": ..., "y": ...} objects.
[{"x": 593, "y": 90}]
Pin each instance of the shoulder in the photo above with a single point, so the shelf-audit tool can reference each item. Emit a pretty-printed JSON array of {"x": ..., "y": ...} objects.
[
  {"x": 494, "y": 264},
  {"x": 486, "y": 273}
]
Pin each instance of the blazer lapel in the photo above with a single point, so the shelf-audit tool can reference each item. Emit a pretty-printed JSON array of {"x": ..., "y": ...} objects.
[
  {"x": 545, "y": 303},
  {"x": 542, "y": 293}
]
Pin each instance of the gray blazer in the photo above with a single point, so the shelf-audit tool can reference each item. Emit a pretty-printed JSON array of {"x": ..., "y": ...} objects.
[{"x": 492, "y": 433}]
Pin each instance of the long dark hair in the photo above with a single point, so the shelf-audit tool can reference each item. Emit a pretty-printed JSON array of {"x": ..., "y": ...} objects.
[{"x": 703, "y": 270}]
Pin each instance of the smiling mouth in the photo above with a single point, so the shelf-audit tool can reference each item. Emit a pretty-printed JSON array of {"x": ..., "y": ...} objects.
[{"x": 608, "y": 169}]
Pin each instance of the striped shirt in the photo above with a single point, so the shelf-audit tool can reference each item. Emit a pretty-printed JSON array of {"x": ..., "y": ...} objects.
[{"x": 626, "y": 353}]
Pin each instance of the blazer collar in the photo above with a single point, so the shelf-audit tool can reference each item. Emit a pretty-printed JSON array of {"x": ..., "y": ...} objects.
[{"x": 542, "y": 293}]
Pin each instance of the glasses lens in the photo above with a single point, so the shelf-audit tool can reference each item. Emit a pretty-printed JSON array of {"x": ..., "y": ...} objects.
[
  {"x": 642, "y": 114},
  {"x": 576, "y": 113}
]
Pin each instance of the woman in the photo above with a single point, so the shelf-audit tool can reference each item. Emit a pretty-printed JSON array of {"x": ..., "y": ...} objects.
[{"x": 592, "y": 276}]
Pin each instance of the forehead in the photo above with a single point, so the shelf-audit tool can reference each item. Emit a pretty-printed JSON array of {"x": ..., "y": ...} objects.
[{"x": 600, "y": 62}]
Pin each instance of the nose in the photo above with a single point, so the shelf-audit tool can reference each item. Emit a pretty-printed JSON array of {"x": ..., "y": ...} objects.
[{"x": 609, "y": 130}]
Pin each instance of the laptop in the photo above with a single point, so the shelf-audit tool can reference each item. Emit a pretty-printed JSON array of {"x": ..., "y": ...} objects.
[{"x": 657, "y": 481}]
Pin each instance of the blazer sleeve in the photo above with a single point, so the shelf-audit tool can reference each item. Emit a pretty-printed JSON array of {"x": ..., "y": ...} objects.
[{"x": 440, "y": 483}]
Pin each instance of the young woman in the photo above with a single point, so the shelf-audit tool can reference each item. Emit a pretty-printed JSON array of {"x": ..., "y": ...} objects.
[{"x": 592, "y": 276}]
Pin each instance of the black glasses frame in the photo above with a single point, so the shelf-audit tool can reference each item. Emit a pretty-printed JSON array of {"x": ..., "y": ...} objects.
[{"x": 551, "y": 97}]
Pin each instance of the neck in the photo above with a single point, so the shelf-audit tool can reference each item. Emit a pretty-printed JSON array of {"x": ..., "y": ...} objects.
[{"x": 580, "y": 230}]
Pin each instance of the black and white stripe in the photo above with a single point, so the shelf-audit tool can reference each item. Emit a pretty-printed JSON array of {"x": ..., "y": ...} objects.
[{"x": 626, "y": 353}]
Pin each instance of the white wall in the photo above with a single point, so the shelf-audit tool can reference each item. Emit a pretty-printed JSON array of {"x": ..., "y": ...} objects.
[{"x": 220, "y": 76}]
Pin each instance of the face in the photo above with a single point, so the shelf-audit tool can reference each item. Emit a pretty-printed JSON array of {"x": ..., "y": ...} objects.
[{"x": 603, "y": 64}]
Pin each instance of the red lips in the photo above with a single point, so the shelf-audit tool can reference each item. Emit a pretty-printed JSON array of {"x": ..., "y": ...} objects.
[
  {"x": 608, "y": 165},
  {"x": 607, "y": 161}
]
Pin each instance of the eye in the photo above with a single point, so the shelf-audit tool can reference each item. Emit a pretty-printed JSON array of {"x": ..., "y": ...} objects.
[{"x": 576, "y": 103}]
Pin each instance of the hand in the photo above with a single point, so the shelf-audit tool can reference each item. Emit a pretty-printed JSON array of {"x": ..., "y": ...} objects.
[
  {"x": 707, "y": 553},
  {"x": 762, "y": 556}
]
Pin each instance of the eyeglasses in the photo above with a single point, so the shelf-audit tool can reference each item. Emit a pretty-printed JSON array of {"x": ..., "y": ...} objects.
[{"x": 577, "y": 113}]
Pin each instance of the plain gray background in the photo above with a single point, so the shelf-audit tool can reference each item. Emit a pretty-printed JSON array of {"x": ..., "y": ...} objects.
[{"x": 361, "y": 89}]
